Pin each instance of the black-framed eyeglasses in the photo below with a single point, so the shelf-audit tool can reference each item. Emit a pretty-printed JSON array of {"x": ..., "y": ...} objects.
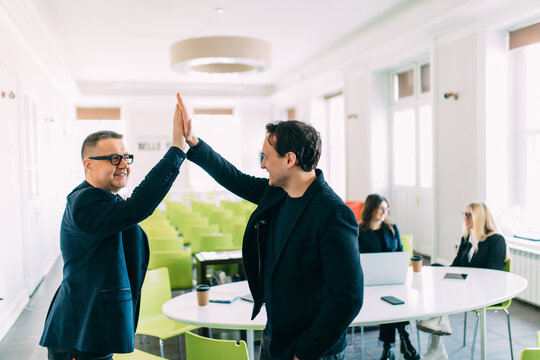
[
  {"x": 384, "y": 209},
  {"x": 466, "y": 214},
  {"x": 115, "y": 159}
]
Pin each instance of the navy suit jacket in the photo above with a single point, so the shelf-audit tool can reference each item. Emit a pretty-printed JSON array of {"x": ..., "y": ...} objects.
[
  {"x": 368, "y": 242},
  {"x": 105, "y": 257},
  {"x": 317, "y": 281}
]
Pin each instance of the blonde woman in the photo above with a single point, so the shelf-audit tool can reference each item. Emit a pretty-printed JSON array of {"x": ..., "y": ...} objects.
[{"x": 482, "y": 246}]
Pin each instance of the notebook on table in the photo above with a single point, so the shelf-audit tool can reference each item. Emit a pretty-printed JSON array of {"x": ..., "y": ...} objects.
[{"x": 386, "y": 268}]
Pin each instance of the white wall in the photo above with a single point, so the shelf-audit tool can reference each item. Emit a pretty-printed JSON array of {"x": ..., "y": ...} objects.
[
  {"x": 457, "y": 139},
  {"x": 30, "y": 227}
]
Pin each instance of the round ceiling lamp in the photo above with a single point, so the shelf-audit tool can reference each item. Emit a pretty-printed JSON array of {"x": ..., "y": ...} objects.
[{"x": 221, "y": 55}]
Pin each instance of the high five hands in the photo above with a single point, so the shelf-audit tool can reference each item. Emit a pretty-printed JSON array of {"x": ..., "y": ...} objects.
[{"x": 185, "y": 121}]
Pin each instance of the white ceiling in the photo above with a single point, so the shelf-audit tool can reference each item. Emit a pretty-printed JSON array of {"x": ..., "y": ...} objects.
[{"x": 127, "y": 41}]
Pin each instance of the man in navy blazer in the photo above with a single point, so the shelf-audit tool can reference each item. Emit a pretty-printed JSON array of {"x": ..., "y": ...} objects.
[
  {"x": 95, "y": 310},
  {"x": 300, "y": 247}
]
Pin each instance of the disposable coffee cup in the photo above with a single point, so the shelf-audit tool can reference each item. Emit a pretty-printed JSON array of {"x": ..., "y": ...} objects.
[
  {"x": 417, "y": 262},
  {"x": 203, "y": 292}
]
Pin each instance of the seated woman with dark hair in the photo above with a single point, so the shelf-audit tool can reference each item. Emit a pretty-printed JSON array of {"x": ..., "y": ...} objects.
[
  {"x": 481, "y": 246},
  {"x": 378, "y": 234}
]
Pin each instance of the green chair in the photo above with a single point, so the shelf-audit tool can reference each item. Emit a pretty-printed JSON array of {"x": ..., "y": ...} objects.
[
  {"x": 165, "y": 244},
  {"x": 179, "y": 265},
  {"x": 161, "y": 232},
  {"x": 238, "y": 235},
  {"x": 136, "y": 355},
  {"x": 218, "y": 214},
  {"x": 532, "y": 353},
  {"x": 216, "y": 242},
  {"x": 502, "y": 306},
  {"x": 156, "y": 291},
  {"x": 203, "y": 207},
  {"x": 224, "y": 220},
  {"x": 176, "y": 214},
  {"x": 175, "y": 206},
  {"x": 154, "y": 223},
  {"x": 202, "y": 348},
  {"x": 184, "y": 224},
  {"x": 194, "y": 232},
  {"x": 228, "y": 226},
  {"x": 408, "y": 244}
]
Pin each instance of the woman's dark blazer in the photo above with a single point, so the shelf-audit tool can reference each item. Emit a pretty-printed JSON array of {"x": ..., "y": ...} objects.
[
  {"x": 491, "y": 253},
  {"x": 368, "y": 242}
]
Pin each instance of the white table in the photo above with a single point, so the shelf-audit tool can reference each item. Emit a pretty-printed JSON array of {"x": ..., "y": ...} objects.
[{"x": 426, "y": 294}]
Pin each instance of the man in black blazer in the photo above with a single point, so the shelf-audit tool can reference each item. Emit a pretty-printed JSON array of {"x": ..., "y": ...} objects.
[
  {"x": 95, "y": 310},
  {"x": 300, "y": 247}
]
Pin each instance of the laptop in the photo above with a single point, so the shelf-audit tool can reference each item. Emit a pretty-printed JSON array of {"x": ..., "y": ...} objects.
[{"x": 386, "y": 268}]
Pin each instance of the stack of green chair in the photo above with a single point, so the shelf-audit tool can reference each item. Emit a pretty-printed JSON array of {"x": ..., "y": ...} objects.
[
  {"x": 201, "y": 348},
  {"x": 194, "y": 232},
  {"x": 179, "y": 264},
  {"x": 156, "y": 291}
]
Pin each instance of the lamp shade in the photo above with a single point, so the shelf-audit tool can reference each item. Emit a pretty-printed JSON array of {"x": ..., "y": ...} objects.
[{"x": 220, "y": 55}]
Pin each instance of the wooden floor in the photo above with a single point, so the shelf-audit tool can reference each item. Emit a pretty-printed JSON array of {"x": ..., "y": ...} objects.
[{"x": 21, "y": 342}]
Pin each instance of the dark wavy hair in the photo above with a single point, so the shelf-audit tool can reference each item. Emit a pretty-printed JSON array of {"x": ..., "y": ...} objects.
[
  {"x": 298, "y": 137},
  {"x": 371, "y": 204},
  {"x": 92, "y": 140}
]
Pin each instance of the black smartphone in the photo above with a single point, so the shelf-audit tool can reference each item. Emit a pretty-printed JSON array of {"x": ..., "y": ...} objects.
[
  {"x": 392, "y": 300},
  {"x": 455, "y": 276}
]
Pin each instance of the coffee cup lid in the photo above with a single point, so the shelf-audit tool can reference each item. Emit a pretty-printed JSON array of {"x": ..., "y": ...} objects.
[
  {"x": 202, "y": 287},
  {"x": 417, "y": 257}
]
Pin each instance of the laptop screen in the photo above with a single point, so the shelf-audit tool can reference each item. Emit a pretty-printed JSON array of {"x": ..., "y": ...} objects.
[{"x": 386, "y": 268}]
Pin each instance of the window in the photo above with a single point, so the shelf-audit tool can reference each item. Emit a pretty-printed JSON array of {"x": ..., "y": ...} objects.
[
  {"x": 412, "y": 127},
  {"x": 525, "y": 125},
  {"x": 336, "y": 143},
  {"x": 211, "y": 128}
]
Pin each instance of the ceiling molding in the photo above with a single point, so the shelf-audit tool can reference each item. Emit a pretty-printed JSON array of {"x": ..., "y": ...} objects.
[{"x": 90, "y": 88}]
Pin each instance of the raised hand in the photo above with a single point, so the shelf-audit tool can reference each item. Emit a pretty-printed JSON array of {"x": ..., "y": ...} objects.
[
  {"x": 189, "y": 135},
  {"x": 178, "y": 138}
]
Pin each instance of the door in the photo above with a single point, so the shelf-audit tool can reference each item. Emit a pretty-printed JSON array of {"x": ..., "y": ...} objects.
[
  {"x": 32, "y": 236},
  {"x": 412, "y": 200},
  {"x": 11, "y": 252}
]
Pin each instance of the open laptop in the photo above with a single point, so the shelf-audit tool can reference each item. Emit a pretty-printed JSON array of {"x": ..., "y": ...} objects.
[{"x": 386, "y": 268}]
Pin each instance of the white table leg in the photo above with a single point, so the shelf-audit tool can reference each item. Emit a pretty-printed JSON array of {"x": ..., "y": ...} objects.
[
  {"x": 251, "y": 344},
  {"x": 483, "y": 333}
]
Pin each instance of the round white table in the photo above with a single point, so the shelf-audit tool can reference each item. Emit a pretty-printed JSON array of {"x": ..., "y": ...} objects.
[{"x": 426, "y": 294}]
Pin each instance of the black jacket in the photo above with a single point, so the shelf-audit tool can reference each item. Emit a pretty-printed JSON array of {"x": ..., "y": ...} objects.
[
  {"x": 317, "y": 280},
  {"x": 368, "y": 242},
  {"x": 491, "y": 253},
  {"x": 105, "y": 255}
]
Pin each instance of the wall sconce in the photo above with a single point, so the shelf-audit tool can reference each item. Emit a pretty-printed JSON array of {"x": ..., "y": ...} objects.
[
  {"x": 11, "y": 94},
  {"x": 451, "y": 94}
]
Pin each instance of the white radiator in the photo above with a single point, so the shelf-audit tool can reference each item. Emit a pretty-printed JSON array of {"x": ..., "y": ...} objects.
[{"x": 527, "y": 264}]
